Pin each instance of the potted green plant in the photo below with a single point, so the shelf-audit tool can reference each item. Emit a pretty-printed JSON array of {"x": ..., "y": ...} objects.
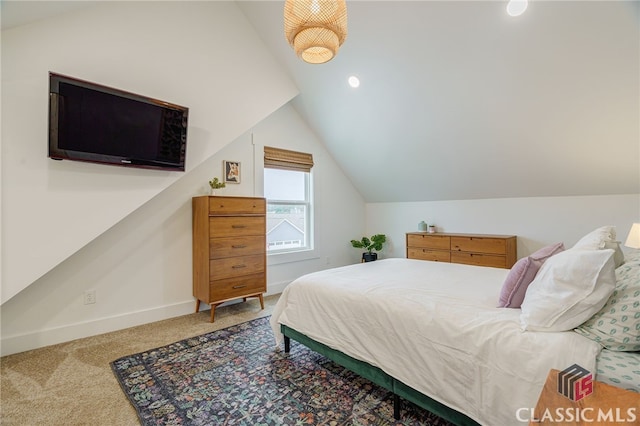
[
  {"x": 216, "y": 184},
  {"x": 370, "y": 244}
]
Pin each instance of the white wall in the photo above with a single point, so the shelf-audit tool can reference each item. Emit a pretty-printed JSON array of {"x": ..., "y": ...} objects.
[
  {"x": 339, "y": 208},
  {"x": 536, "y": 221},
  {"x": 203, "y": 55},
  {"x": 141, "y": 267}
]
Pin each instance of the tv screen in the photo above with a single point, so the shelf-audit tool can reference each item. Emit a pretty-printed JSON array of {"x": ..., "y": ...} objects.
[{"x": 91, "y": 122}]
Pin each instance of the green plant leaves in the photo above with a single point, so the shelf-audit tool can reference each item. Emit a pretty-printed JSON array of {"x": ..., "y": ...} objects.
[{"x": 375, "y": 243}]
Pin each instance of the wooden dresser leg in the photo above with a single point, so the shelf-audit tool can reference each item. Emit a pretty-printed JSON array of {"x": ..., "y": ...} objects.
[
  {"x": 197, "y": 305},
  {"x": 213, "y": 311},
  {"x": 261, "y": 301}
]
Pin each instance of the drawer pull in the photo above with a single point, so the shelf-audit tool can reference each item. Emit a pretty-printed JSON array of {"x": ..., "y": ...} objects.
[
  {"x": 238, "y": 226},
  {"x": 238, "y": 246},
  {"x": 239, "y": 286},
  {"x": 239, "y": 266}
]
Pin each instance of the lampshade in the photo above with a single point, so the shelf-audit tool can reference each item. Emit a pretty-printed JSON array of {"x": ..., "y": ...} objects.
[
  {"x": 315, "y": 28},
  {"x": 633, "y": 240}
]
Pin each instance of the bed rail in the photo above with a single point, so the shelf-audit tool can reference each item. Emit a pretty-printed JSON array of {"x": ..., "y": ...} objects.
[{"x": 379, "y": 377}]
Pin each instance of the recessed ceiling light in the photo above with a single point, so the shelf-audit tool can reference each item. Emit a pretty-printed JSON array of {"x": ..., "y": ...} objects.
[
  {"x": 354, "y": 81},
  {"x": 517, "y": 7}
]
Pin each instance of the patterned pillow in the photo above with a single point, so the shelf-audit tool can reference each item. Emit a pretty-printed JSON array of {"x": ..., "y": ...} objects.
[
  {"x": 632, "y": 256},
  {"x": 619, "y": 369},
  {"x": 617, "y": 325}
]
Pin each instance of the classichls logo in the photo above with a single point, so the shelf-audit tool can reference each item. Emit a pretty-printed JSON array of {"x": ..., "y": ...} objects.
[{"x": 575, "y": 382}]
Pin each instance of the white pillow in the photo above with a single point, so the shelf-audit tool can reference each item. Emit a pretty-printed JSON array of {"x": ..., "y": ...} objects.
[
  {"x": 596, "y": 239},
  {"x": 569, "y": 288},
  {"x": 618, "y": 256}
]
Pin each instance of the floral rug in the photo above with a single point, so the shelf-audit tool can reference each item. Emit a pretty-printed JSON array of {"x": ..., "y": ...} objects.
[{"x": 236, "y": 376}]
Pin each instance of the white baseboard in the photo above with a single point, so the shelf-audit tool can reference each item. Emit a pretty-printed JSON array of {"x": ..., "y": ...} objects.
[
  {"x": 41, "y": 338},
  {"x": 276, "y": 288},
  {"x": 52, "y": 336}
]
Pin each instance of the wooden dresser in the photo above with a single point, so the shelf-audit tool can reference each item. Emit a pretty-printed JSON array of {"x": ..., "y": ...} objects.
[
  {"x": 229, "y": 249},
  {"x": 498, "y": 251}
]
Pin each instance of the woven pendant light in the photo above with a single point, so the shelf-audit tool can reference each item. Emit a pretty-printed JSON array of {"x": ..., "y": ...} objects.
[{"x": 315, "y": 28}]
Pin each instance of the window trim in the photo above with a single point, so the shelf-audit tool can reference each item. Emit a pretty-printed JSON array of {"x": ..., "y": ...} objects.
[
  {"x": 309, "y": 223},
  {"x": 310, "y": 252}
]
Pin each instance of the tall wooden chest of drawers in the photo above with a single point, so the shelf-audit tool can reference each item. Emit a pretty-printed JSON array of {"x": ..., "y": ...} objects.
[
  {"x": 498, "y": 251},
  {"x": 229, "y": 249}
]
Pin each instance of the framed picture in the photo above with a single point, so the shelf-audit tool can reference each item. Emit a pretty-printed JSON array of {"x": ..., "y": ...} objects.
[{"x": 231, "y": 171}]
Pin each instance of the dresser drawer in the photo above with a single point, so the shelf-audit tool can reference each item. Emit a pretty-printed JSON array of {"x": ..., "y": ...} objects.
[
  {"x": 237, "y": 287},
  {"x": 429, "y": 241},
  {"x": 478, "y": 259},
  {"x": 479, "y": 244},
  {"x": 426, "y": 254},
  {"x": 236, "y": 205},
  {"x": 236, "y": 266},
  {"x": 231, "y": 226},
  {"x": 220, "y": 248}
]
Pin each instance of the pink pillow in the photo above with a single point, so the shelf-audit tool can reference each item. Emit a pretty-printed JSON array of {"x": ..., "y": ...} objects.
[
  {"x": 548, "y": 251},
  {"x": 522, "y": 273}
]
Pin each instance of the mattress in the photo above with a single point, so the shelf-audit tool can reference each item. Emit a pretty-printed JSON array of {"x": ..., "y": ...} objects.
[{"x": 435, "y": 327}]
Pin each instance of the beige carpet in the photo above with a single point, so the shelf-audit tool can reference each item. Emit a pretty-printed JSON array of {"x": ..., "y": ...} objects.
[{"x": 72, "y": 383}]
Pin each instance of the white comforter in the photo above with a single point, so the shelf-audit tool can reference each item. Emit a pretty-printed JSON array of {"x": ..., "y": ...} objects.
[{"x": 435, "y": 327}]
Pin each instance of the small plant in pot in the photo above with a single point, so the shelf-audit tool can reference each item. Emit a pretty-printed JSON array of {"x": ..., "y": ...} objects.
[
  {"x": 216, "y": 184},
  {"x": 370, "y": 244}
]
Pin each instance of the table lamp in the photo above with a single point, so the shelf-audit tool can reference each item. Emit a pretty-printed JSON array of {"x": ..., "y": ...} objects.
[{"x": 633, "y": 240}]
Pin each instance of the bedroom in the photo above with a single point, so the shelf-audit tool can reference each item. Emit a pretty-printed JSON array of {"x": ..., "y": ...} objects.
[{"x": 131, "y": 245}]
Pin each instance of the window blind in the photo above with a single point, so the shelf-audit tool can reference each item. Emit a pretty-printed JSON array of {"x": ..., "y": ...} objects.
[{"x": 276, "y": 158}]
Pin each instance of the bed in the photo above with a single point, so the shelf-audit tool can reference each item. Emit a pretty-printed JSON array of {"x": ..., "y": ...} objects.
[{"x": 431, "y": 333}]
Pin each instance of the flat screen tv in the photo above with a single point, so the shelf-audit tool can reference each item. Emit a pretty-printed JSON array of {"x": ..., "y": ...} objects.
[{"x": 95, "y": 123}]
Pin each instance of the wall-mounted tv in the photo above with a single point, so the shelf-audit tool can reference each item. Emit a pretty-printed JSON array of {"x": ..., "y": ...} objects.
[{"x": 95, "y": 123}]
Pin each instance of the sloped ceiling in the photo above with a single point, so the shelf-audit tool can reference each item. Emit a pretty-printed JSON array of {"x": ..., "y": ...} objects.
[{"x": 458, "y": 100}]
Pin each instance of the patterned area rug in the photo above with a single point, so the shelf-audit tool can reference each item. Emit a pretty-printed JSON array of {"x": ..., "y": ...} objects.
[{"x": 236, "y": 376}]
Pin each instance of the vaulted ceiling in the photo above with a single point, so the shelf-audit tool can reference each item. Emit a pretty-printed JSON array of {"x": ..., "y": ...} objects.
[{"x": 459, "y": 100}]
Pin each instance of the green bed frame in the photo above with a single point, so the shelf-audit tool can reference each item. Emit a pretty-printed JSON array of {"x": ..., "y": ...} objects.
[{"x": 379, "y": 377}]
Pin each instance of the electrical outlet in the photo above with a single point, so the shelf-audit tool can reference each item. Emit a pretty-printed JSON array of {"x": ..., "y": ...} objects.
[{"x": 89, "y": 297}]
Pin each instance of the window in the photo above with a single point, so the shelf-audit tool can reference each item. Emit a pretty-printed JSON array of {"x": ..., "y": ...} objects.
[{"x": 287, "y": 188}]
